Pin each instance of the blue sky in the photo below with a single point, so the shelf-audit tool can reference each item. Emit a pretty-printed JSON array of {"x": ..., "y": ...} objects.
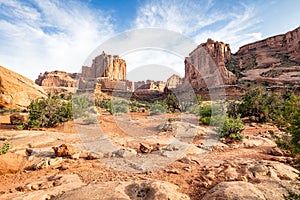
[{"x": 45, "y": 35}]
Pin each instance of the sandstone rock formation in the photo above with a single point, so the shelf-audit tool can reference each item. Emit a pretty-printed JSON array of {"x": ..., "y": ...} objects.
[
  {"x": 57, "y": 79},
  {"x": 205, "y": 66},
  {"x": 108, "y": 71},
  {"x": 173, "y": 81},
  {"x": 17, "y": 91},
  {"x": 104, "y": 65}
]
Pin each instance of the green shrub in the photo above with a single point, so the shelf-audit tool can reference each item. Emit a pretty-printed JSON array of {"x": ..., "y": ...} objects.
[
  {"x": 195, "y": 109},
  {"x": 157, "y": 109},
  {"x": 119, "y": 107},
  {"x": 5, "y": 148},
  {"x": 48, "y": 112},
  {"x": 231, "y": 128},
  {"x": 260, "y": 104},
  {"x": 106, "y": 104},
  {"x": 172, "y": 102},
  {"x": 81, "y": 105},
  {"x": 209, "y": 110}
]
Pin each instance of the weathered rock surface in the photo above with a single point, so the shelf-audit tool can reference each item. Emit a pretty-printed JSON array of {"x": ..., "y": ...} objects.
[
  {"x": 11, "y": 163},
  {"x": 263, "y": 190},
  {"x": 234, "y": 190},
  {"x": 153, "y": 190},
  {"x": 17, "y": 91},
  {"x": 57, "y": 79},
  {"x": 47, "y": 189}
]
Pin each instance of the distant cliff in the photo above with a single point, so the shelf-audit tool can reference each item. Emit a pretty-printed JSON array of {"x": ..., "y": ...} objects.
[{"x": 272, "y": 62}]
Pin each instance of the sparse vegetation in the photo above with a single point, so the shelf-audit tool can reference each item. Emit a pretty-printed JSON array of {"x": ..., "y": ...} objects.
[
  {"x": 119, "y": 106},
  {"x": 5, "y": 148},
  {"x": 157, "y": 109},
  {"x": 48, "y": 112},
  {"x": 231, "y": 128}
]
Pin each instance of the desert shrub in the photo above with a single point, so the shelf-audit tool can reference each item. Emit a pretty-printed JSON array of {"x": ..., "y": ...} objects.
[
  {"x": 157, "y": 109},
  {"x": 209, "y": 110},
  {"x": 48, "y": 112},
  {"x": 215, "y": 120},
  {"x": 119, "y": 107},
  {"x": 106, "y": 104},
  {"x": 195, "y": 109},
  {"x": 82, "y": 105},
  {"x": 5, "y": 148},
  {"x": 231, "y": 128},
  {"x": 260, "y": 104},
  {"x": 233, "y": 109}
]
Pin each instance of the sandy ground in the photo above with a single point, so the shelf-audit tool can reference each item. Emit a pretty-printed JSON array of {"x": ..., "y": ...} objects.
[{"x": 185, "y": 175}]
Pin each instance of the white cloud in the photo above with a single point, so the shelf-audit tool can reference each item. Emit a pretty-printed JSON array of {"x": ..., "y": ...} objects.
[
  {"x": 201, "y": 20},
  {"x": 49, "y": 35}
]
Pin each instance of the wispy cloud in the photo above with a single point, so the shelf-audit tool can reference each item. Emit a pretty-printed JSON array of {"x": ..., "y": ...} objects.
[
  {"x": 47, "y": 35},
  {"x": 201, "y": 20}
]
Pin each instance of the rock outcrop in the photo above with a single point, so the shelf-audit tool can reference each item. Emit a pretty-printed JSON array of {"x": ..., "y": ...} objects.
[
  {"x": 17, "y": 91},
  {"x": 173, "y": 81},
  {"x": 104, "y": 65},
  {"x": 57, "y": 79},
  {"x": 205, "y": 66}
]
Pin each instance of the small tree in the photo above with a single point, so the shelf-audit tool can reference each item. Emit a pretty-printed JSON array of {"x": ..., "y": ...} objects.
[{"x": 172, "y": 102}]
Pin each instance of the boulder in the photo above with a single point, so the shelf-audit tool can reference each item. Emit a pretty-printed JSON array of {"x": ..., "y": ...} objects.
[
  {"x": 125, "y": 153},
  {"x": 11, "y": 163},
  {"x": 64, "y": 150},
  {"x": 18, "y": 118},
  {"x": 233, "y": 191}
]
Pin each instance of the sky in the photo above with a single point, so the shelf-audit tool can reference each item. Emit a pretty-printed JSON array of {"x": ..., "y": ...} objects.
[{"x": 46, "y": 35}]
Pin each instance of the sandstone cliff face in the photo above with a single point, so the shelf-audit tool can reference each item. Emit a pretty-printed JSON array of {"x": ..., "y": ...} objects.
[
  {"x": 274, "y": 61},
  {"x": 205, "y": 66},
  {"x": 104, "y": 65},
  {"x": 268, "y": 51},
  {"x": 57, "y": 79},
  {"x": 17, "y": 91}
]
